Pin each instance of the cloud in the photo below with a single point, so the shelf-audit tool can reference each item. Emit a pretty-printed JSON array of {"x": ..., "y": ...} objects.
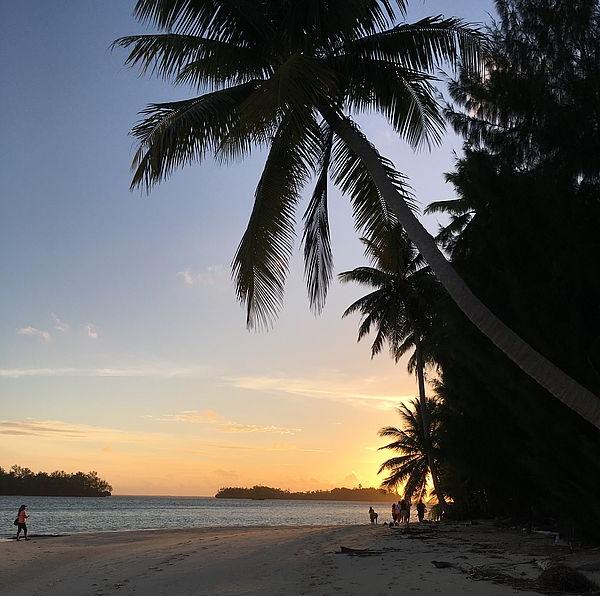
[
  {"x": 149, "y": 371},
  {"x": 91, "y": 330},
  {"x": 212, "y": 275},
  {"x": 222, "y": 425},
  {"x": 352, "y": 479},
  {"x": 324, "y": 389},
  {"x": 34, "y": 332},
  {"x": 58, "y": 429},
  {"x": 59, "y": 324}
]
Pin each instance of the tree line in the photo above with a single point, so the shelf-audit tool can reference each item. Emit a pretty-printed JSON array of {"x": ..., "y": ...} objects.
[
  {"x": 335, "y": 494},
  {"x": 22, "y": 481}
]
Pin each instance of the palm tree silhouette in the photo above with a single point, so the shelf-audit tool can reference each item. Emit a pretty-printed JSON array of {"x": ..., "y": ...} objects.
[
  {"x": 399, "y": 311},
  {"x": 414, "y": 463},
  {"x": 282, "y": 75}
]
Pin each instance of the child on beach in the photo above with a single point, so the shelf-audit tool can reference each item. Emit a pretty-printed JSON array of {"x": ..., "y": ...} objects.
[
  {"x": 21, "y": 522},
  {"x": 373, "y": 515},
  {"x": 395, "y": 514}
]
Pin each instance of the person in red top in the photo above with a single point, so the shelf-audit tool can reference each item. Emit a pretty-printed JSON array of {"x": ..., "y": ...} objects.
[{"x": 22, "y": 521}]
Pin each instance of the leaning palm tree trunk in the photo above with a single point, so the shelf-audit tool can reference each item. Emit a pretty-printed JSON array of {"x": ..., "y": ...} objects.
[
  {"x": 433, "y": 470},
  {"x": 549, "y": 376}
]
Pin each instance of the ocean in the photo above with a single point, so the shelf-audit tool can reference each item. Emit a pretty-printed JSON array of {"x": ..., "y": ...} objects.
[{"x": 71, "y": 515}]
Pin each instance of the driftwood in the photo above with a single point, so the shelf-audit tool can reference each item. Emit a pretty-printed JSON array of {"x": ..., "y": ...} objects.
[
  {"x": 359, "y": 552},
  {"x": 443, "y": 564}
]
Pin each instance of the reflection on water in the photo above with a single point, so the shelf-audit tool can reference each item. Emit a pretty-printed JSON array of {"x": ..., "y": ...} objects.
[{"x": 69, "y": 515}]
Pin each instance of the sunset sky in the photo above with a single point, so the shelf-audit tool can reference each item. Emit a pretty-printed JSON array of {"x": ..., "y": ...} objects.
[{"x": 122, "y": 346}]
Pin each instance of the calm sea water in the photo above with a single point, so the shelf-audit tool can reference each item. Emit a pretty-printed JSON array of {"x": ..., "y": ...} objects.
[{"x": 70, "y": 515}]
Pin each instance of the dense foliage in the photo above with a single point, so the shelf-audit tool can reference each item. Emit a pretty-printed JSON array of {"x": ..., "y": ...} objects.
[
  {"x": 524, "y": 235},
  {"x": 22, "y": 481},
  {"x": 335, "y": 494},
  {"x": 411, "y": 467}
]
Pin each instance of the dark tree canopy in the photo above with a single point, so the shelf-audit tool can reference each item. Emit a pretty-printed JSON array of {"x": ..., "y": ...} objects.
[
  {"x": 22, "y": 481},
  {"x": 524, "y": 235},
  {"x": 335, "y": 494}
]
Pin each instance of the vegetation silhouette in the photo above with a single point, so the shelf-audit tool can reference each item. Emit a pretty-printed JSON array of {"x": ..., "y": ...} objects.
[
  {"x": 22, "y": 481},
  {"x": 418, "y": 444},
  {"x": 282, "y": 75},
  {"x": 335, "y": 494},
  {"x": 399, "y": 311},
  {"x": 526, "y": 240}
]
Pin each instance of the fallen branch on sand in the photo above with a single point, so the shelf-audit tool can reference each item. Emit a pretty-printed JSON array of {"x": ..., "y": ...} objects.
[
  {"x": 558, "y": 579},
  {"x": 359, "y": 552}
]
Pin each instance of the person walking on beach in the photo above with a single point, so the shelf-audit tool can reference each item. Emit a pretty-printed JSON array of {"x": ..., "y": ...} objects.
[
  {"x": 421, "y": 510},
  {"x": 407, "y": 505},
  {"x": 395, "y": 514},
  {"x": 402, "y": 510},
  {"x": 21, "y": 522}
]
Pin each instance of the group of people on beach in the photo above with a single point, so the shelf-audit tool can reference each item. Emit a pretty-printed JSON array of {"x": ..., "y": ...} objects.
[{"x": 400, "y": 512}]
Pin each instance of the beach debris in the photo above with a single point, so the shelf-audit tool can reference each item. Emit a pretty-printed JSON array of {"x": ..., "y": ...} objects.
[
  {"x": 443, "y": 564},
  {"x": 359, "y": 552},
  {"x": 566, "y": 579}
]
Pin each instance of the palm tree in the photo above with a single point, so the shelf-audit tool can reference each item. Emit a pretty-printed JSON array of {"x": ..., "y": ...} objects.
[
  {"x": 414, "y": 464},
  {"x": 399, "y": 309},
  {"x": 282, "y": 75}
]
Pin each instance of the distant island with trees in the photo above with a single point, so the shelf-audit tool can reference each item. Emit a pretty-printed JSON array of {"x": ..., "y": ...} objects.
[
  {"x": 22, "y": 481},
  {"x": 335, "y": 494}
]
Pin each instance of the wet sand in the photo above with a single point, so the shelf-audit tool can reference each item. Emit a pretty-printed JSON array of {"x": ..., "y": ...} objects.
[{"x": 280, "y": 560}]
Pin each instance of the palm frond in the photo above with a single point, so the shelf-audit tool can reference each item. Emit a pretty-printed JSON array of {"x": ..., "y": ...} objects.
[
  {"x": 295, "y": 87},
  {"x": 176, "y": 133},
  {"x": 426, "y": 45},
  {"x": 194, "y": 60},
  {"x": 318, "y": 258},
  {"x": 260, "y": 265},
  {"x": 448, "y": 233},
  {"x": 412, "y": 466},
  {"x": 326, "y": 25},
  {"x": 451, "y": 207},
  {"x": 406, "y": 98},
  {"x": 237, "y": 21},
  {"x": 366, "y": 276},
  {"x": 396, "y": 462},
  {"x": 371, "y": 215}
]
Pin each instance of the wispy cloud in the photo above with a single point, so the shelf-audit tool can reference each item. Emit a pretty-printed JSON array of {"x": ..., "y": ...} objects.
[
  {"x": 91, "y": 330},
  {"x": 34, "y": 332},
  {"x": 220, "y": 424},
  {"x": 150, "y": 371},
  {"x": 323, "y": 388},
  {"x": 71, "y": 431},
  {"x": 210, "y": 276},
  {"x": 276, "y": 447},
  {"x": 59, "y": 324}
]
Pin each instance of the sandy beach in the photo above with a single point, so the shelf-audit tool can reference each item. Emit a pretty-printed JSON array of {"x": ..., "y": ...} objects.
[{"x": 281, "y": 560}]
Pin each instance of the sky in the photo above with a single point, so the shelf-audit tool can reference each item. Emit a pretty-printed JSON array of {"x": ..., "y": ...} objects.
[{"x": 122, "y": 347}]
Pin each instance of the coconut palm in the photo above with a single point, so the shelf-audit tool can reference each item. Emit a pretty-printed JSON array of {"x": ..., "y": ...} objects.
[
  {"x": 414, "y": 464},
  {"x": 282, "y": 75},
  {"x": 399, "y": 311}
]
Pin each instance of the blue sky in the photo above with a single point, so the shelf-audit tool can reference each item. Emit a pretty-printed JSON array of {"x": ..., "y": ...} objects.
[{"x": 119, "y": 327}]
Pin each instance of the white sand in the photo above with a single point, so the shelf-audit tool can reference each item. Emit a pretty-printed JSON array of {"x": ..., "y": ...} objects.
[{"x": 282, "y": 560}]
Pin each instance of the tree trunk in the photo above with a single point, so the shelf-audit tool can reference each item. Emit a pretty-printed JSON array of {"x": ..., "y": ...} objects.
[
  {"x": 549, "y": 376},
  {"x": 427, "y": 428}
]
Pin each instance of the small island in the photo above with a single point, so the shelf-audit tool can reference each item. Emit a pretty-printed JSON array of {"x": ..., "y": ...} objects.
[
  {"x": 22, "y": 481},
  {"x": 259, "y": 493}
]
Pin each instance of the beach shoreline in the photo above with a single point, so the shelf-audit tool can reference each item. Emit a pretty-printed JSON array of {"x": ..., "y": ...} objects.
[{"x": 275, "y": 560}]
